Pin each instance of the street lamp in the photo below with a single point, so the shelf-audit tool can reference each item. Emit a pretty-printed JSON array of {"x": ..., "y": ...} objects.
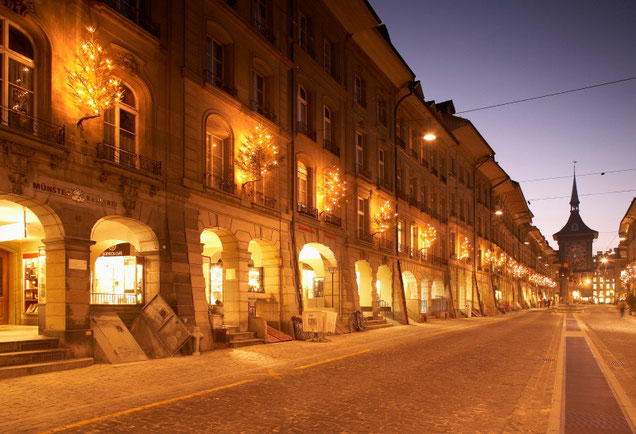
[
  {"x": 332, "y": 270},
  {"x": 429, "y": 137}
]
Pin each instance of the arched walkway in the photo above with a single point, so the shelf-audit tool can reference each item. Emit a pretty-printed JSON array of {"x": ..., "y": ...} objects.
[
  {"x": 410, "y": 285},
  {"x": 364, "y": 280},
  {"x": 319, "y": 276},
  {"x": 124, "y": 262},
  {"x": 384, "y": 286},
  {"x": 263, "y": 279}
]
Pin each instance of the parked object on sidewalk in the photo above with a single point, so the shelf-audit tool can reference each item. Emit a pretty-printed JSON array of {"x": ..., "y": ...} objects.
[
  {"x": 115, "y": 343},
  {"x": 621, "y": 308},
  {"x": 357, "y": 321},
  {"x": 274, "y": 336},
  {"x": 297, "y": 324}
]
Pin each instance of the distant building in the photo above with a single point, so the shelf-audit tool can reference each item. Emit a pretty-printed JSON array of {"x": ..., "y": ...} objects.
[{"x": 627, "y": 247}]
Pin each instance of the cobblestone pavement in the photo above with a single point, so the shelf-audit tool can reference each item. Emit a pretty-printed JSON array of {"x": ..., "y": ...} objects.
[
  {"x": 614, "y": 337},
  {"x": 480, "y": 374}
]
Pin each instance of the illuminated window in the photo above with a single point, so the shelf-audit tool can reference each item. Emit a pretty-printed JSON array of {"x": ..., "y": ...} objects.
[
  {"x": 304, "y": 185},
  {"x": 362, "y": 223},
  {"x": 120, "y": 128},
  {"x": 400, "y": 235},
  {"x": 219, "y": 167},
  {"x": 414, "y": 238},
  {"x": 118, "y": 276}
]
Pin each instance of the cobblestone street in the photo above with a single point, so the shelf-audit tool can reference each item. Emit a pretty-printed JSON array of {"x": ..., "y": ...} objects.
[{"x": 480, "y": 374}]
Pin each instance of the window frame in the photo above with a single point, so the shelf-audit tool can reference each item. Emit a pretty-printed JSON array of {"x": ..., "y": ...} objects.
[{"x": 327, "y": 124}]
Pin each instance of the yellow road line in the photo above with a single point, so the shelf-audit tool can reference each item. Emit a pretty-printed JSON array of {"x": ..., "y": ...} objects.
[
  {"x": 144, "y": 407},
  {"x": 333, "y": 359}
]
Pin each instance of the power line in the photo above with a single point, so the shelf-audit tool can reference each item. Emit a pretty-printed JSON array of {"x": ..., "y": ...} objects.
[
  {"x": 579, "y": 175},
  {"x": 587, "y": 194},
  {"x": 607, "y": 83}
]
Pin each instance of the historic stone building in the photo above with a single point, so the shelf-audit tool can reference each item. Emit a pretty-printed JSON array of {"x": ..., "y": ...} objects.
[
  {"x": 627, "y": 248},
  {"x": 149, "y": 198}
]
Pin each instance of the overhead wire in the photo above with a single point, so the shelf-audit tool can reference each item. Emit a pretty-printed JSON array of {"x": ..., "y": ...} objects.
[
  {"x": 586, "y": 194},
  {"x": 578, "y": 175}
]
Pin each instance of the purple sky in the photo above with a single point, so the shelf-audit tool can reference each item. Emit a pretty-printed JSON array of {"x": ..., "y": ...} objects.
[{"x": 486, "y": 52}]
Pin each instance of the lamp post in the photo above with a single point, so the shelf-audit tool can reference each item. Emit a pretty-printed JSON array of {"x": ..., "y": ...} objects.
[{"x": 332, "y": 270}]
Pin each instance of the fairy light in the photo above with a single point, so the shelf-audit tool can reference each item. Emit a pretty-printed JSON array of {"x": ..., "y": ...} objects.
[
  {"x": 628, "y": 274},
  {"x": 385, "y": 218},
  {"x": 428, "y": 236},
  {"x": 91, "y": 80},
  {"x": 259, "y": 155},
  {"x": 464, "y": 249},
  {"x": 335, "y": 188}
]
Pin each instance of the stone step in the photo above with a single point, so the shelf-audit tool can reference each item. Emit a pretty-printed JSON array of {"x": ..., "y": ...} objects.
[
  {"x": 371, "y": 322},
  {"x": 38, "y": 343},
  {"x": 239, "y": 336},
  {"x": 41, "y": 368},
  {"x": 246, "y": 342},
  {"x": 378, "y": 326},
  {"x": 29, "y": 357}
]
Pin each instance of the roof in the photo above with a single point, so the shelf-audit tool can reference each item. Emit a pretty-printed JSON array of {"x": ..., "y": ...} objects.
[
  {"x": 575, "y": 227},
  {"x": 628, "y": 219}
]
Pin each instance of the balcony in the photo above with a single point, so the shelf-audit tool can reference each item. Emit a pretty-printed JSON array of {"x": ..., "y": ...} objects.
[
  {"x": 128, "y": 160},
  {"x": 263, "y": 110},
  {"x": 20, "y": 121},
  {"x": 262, "y": 199},
  {"x": 332, "y": 219},
  {"x": 218, "y": 81},
  {"x": 401, "y": 143},
  {"x": 361, "y": 170},
  {"x": 329, "y": 146},
  {"x": 263, "y": 29},
  {"x": 385, "y": 244},
  {"x": 220, "y": 183},
  {"x": 303, "y": 128},
  {"x": 129, "y": 11},
  {"x": 413, "y": 202},
  {"x": 307, "y": 210},
  {"x": 365, "y": 237}
]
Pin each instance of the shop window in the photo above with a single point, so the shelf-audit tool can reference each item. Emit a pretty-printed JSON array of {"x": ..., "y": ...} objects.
[
  {"x": 17, "y": 69},
  {"x": 254, "y": 277},
  {"x": 213, "y": 276},
  {"x": 313, "y": 286},
  {"x": 118, "y": 276},
  {"x": 33, "y": 270},
  {"x": 120, "y": 130}
]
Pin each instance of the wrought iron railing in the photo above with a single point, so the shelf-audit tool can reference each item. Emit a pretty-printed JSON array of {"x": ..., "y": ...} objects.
[
  {"x": 303, "y": 128},
  {"x": 264, "y": 110},
  {"x": 262, "y": 199},
  {"x": 307, "y": 210},
  {"x": 363, "y": 235},
  {"x": 414, "y": 154},
  {"x": 401, "y": 143},
  {"x": 361, "y": 170},
  {"x": 127, "y": 159},
  {"x": 264, "y": 30},
  {"x": 21, "y": 121},
  {"x": 329, "y": 146},
  {"x": 220, "y": 183},
  {"x": 131, "y": 12},
  {"x": 332, "y": 219},
  {"x": 385, "y": 244},
  {"x": 217, "y": 81},
  {"x": 101, "y": 298}
]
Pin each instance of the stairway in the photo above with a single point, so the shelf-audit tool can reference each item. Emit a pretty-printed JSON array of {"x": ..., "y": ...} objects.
[
  {"x": 243, "y": 339},
  {"x": 377, "y": 323},
  {"x": 36, "y": 355}
]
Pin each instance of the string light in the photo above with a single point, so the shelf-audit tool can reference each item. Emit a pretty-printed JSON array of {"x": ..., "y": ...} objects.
[
  {"x": 335, "y": 188},
  {"x": 428, "y": 236},
  {"x": 385, "y": 218},
  {"x": 259, "y": 155},
  {"x": 464, "y": 249},
  {"x": 91, "y": 80},
  {"x": 628, "y": 274}
]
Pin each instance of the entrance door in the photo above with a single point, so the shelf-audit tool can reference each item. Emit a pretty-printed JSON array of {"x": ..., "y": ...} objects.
[{"x": 4, "y": 288}]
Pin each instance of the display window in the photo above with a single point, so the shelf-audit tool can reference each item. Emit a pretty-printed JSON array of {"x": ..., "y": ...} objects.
[
  {"x": 255, "y": 277},
  {"x": 213, "y": 276},
  {"x": 313, "y": 286},
  {"x": 31, "y": 273},
  {"x": 118, "y": 276}
]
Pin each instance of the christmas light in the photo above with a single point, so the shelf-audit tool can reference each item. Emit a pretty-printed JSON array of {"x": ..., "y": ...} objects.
[
  {"x": 91, "y": 80},
  {"x": 385, "y": 218},
  {"x": 464, "y": 249},
  {"x": 335, "y": 188},
  {"x": 258, "y": 156},
  {"x": 428, "y": 236},
  {"x": 628, "y": 274}
]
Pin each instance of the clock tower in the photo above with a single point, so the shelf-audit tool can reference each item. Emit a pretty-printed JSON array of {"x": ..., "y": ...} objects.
[{"x": 575, "y": 251}]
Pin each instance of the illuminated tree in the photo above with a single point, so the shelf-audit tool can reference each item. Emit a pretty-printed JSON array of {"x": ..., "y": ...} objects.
[
  {"x": 385, "y": 218},
  {"x": 464, "y": 249},
  {"x": 335, "y": 188},
  {"x": 428, "y": 236},
  {"x": 91, "y": 81},
  {"x": 259, "y": 155}
]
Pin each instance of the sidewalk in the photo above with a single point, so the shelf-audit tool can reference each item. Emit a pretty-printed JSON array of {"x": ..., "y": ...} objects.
[{"x": 48, "y": 400}]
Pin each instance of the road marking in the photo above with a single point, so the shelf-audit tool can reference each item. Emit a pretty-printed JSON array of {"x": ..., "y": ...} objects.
[
  {"x": 557, "y": 413},
  {"x": 333, "y": 359},
  {"x": 144, "y": 407},
  {"x": 271, "y": 373}
]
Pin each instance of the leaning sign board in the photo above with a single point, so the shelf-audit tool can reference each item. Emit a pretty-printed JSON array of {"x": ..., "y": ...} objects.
[{"x": 165, "y": 324}]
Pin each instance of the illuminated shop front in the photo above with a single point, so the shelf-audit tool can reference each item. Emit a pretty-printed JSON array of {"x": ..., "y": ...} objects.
[
  {"x": 22, "y": 265},
  {"x": 118, "y": 276},
  {"x": 316, "y": 261},
  {"x": 213, "y": 276},
  {"x": 255, "y": 277}
]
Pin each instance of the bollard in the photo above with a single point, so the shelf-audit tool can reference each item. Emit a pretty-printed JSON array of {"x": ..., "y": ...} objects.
[{"x": 197, "y": 335}]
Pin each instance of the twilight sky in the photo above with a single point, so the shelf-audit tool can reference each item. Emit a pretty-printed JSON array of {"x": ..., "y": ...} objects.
[{"x": 483, "y": 52}]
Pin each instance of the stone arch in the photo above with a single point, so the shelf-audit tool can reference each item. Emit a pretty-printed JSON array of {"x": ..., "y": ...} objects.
[
  {"x": 219, "y": 32},
  {"x": 264, "y": 265},
  {"x": 410, "y": 285},
  {"x": 384, "y": 285},
  {"x": 364, "y": 280},
  {"x": 318, "y": 267}
]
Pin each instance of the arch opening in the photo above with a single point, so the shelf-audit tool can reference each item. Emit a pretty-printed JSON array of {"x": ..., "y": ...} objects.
[
  {"x": 364, "y": 280},
  {"x": 384, "y": 287},
  {"x": 317, "y": 265}
]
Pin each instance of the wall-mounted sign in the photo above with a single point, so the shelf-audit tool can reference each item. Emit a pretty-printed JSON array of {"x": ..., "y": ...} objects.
[
  {"x": 77, "y": 264},
  {"x": 305, "y": 229},
  {"x": 122, "y": 249},
  {"x": 331, "y": 237},
  {"x": 75, "y": 194}
]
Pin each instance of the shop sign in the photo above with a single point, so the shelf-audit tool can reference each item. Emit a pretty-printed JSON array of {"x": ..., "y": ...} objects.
[
  {"x": 118, "y": 250},
  {"x": 331, "y": 237},
  {"x": 305, "y": 229},
  {"x": 75, "y": 194}
]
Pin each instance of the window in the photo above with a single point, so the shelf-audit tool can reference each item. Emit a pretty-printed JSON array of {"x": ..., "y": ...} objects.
[
  {"x": 400, "y": 235},
  {"x": 414, "y": 238},
  {"x": 303, "y": 31},
  {"x": 326, "y": 124},
  {"x": 413, "y": 188},
  {"x": 258, "y": 92},
  {"x": 423, "y": 153},
  {"x": 362, "y": 224},
  {"x": 260, "y": 15},
  {"x": 219, "y": 168},
  {"x": 399, "y": 186},
  {"x": 17, "y": 79},
  {"x": 359, "y": 91},
  {"x": 411, "y": 140},
  {"x": 327, "y": 54},
  {"x": 360, "y": 157},
  {"x": 120, "y": 128},
  {"x": 381, "y": 111},
  {"x": 215, "y": 61},
  {"x": 305, "y": 198},
  {"x": 381, "y": 173},
  {"x": 302, "y": 102},
  {"x": 452, "y": 243}
]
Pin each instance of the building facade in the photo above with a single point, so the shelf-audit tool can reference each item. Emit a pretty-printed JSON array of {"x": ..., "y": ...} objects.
[{"x": 381, "y": 201}]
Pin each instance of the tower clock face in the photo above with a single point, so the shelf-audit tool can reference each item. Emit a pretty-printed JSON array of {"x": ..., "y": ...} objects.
[{"x": 575, "y": 253}]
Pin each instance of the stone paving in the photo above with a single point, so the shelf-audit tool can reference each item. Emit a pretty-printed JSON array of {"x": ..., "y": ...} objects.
[{"x": 479, "y": 374}]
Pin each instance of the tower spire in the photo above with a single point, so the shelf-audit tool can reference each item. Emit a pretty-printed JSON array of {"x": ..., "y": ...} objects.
[{"x": 574, "y": 200}]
